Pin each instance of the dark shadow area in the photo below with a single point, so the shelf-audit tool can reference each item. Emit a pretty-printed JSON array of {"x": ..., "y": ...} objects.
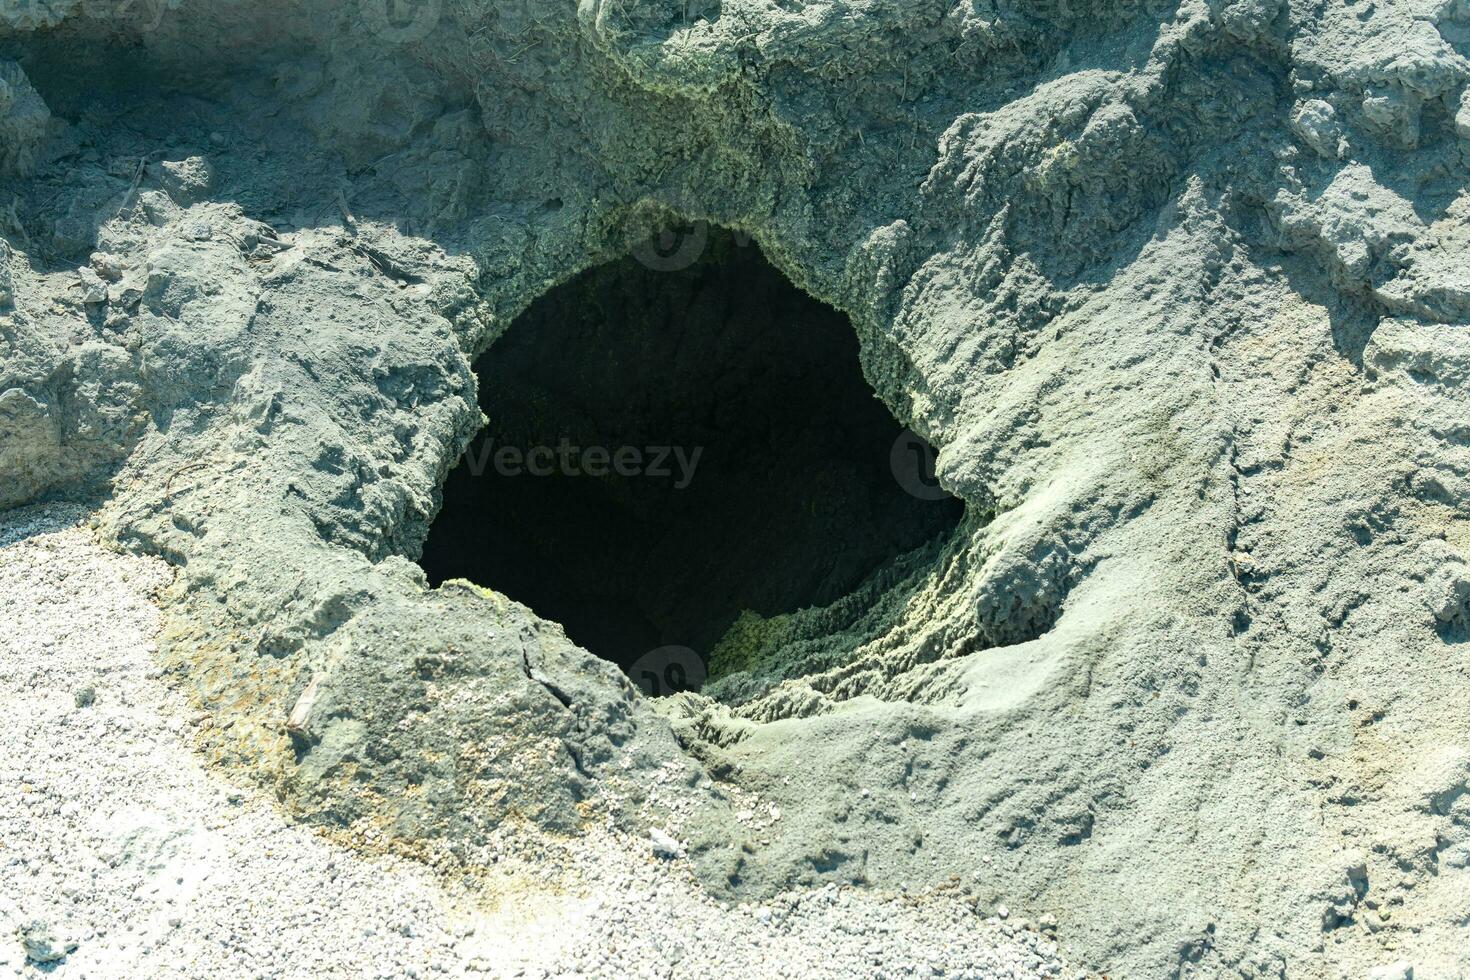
[{"x": 668, "y": 448}]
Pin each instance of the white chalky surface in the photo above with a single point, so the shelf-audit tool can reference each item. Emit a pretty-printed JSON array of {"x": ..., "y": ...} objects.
[{"x": 115, "y": 838}]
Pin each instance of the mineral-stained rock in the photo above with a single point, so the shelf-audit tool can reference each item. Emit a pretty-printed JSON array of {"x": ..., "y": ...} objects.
[{"x": 1177, "y": 291}]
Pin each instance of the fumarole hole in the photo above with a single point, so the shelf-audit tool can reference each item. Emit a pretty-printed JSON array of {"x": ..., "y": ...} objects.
[{"x": 669, "y": 447}]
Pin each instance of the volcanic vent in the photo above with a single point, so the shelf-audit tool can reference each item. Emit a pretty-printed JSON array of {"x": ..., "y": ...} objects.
[{"x": 669, "y": 448}]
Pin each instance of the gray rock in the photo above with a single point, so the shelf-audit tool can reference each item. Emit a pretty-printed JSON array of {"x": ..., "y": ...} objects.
[
  {"x": 7, "y": 279},
  {"x": 24, "y": 119},
  {"x": 1315, "y": 121},
  {"x": 42, "y": 944},
  {"x": 1180, "y": 299},
  {"x": 187, "y": 181},
  {"x": 109, "y": 267},
  {"x": 94, "y": 290}
]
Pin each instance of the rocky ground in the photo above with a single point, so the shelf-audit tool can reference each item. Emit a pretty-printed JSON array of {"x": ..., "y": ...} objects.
[
  {"x": 124, "y": 856},
  {"x": 1177, "y": 290}
]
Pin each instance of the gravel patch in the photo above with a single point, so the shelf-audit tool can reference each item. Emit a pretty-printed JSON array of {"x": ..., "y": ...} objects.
[{"x": 123, "y": 856}]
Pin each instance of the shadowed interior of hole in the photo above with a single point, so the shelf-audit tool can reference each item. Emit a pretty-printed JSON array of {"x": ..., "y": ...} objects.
[{"x": 666, "y": 449}]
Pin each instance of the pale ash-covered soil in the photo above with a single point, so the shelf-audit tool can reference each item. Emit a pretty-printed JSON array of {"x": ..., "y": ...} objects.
[{"x": 115, "y": 837}]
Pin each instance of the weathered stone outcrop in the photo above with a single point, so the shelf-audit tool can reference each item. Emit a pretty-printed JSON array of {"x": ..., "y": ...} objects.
[{"x": 1178, "y": 291}]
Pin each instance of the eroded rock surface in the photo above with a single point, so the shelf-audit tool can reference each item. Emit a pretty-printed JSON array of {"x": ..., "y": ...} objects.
[{"x": 1178, "y": 291}]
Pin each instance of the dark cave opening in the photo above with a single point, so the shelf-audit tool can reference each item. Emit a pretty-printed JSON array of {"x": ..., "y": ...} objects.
[{"x": 668, "y": 448}]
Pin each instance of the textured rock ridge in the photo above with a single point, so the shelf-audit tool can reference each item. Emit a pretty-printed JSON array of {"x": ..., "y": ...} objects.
[{"x": 1178, "y": 290}]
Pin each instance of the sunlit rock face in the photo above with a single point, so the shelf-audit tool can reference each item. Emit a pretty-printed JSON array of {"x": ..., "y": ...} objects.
[{"x": 1175, "y": 291}]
